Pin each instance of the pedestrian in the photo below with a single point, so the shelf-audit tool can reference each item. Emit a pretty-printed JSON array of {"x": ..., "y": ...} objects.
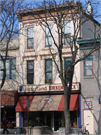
[{"x": 4, "y": 122}]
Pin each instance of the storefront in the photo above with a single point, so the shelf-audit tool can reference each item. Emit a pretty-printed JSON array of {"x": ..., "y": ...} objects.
[
  {"x": 8, "y": 103},
  {"x": 47, "y": 109}
]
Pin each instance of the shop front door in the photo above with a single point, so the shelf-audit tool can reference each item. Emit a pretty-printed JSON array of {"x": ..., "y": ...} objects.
[{"x": 88, "y": 119}]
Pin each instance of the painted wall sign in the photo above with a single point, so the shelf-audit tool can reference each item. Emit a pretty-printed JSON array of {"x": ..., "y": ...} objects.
[
  {"x": 88, "y": 105},
  {"x": 41, "y": 88}
]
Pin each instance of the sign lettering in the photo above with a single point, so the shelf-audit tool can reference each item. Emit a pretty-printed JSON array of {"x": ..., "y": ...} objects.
[{"x": 52, "y": 87}]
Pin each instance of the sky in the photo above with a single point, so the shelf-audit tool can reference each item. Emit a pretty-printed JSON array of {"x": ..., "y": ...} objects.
[{"x": 98, "y": 7}]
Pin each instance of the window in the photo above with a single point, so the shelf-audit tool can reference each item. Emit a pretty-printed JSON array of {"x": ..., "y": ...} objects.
[
  {"x": 48, "y": 38},
  {"x": 67, "y": 32},
  {"x": 48, "y": 71},
  {"x": 88, "y": 66},
  {"x": 67, "y": 62},
  {"x": 30, "y": 38},
  {"x": 30, "y": 71},
  {"x": 10, "y": 68}
]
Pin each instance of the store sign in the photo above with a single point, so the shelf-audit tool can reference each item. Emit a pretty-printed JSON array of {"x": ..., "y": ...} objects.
[
  {"x": 46, "y": 100},
  {"x": 52, "y": 87},
  {"x": 88, "y": 105}
]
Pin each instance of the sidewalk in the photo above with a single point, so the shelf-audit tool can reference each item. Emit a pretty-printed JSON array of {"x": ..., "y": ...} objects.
[{"x": 12, "y": 132}]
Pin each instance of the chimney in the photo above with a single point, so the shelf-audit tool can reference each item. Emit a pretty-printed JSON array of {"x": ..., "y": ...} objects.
[{"x": 89, "y": 9}]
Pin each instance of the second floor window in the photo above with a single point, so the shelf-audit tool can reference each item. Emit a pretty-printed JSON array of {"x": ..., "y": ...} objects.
[
  {"x": 48, "y": 38},
  {"x": 67, "y": 32},
  {"x": 10, "y": 68},
  {"x": 30, "y": 38},
  {"x": 67, "y": 62},
  {"x": 48, "y": 71},
  {"x": 30, "y": 71},
  {"x": 88, "y": 66}
]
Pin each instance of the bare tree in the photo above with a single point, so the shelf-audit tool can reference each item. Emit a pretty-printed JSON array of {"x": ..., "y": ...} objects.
[
  {"x": 8, "y": 29},
  {"x": 60, "y": 14}
]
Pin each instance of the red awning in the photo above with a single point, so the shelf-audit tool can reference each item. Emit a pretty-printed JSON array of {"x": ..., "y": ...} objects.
[
  {"x": 21, "y": 105},
  {"x": 47, "y": 103},
  {"x": 74, "y": 103}
]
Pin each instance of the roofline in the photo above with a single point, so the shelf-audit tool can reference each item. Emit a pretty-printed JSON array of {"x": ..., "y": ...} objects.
[
  {"x": 91, "y": 18},
  {"x": 18, "y": 12},
  {"x": 42, "y": 10}
]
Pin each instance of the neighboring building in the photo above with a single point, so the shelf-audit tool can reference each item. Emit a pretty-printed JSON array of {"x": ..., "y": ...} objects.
[
  {"x": 8, "y": 94},
  {"x": 39, "y": 79},
  {"x": 90, "y": 74}
]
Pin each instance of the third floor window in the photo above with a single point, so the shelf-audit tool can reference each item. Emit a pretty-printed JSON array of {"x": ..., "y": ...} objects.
[
  {"x": 67, "y": 32},
  {"x": 30, "y": 38},
  {"x": 48, "y": 37}
]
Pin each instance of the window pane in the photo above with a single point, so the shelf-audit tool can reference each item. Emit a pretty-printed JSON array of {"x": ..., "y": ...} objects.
[
  {"x": 30, "y": 43},
  {"x": 48, "y": 41},
  {"x": 30, "y": 72},
  {"x": 1, "y": 72},
  {"x": 47, "y": 30},
  {"x": 67, "y": 63},
  {"x": 67, "y": 27},
  {"x": 13, "y": 68},
  {"x": 48, "y": 38},
  {"x": 48, "y": 71},
  {"x": 30, "y": 66},
  {"x": 67, "y": 32},
  {"x": 30, "y": 78},
  {"x": 49, "y": 75},
  {"x": 7, "y": 70},
  {"x": 30, "y": 38},
  {"x": 48, "y": 65},
  {"x": 88, "y": 63},
  {"x": 13, "y": 74},
  {"x": 30, "y": 32},
  {"x": 88, "y": 71},
  {"x": 88, "y": 66},
  {"x": 13, "y": 63}
]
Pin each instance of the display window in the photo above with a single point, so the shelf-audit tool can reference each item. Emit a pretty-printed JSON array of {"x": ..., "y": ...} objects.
[
  {"x": 11, "y": 116},
  {"x": 46, "y": 119}
]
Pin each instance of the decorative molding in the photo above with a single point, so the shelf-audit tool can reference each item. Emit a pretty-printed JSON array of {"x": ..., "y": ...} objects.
[
  {"x": 47, "y": 49},
  {"x": 65, "y": 53},
  {"x": 66, "y": 47},
  {"x": 31, "y": 56},
  {"x": 29, "y": 50},
  {"x": 47, "y": 55}
]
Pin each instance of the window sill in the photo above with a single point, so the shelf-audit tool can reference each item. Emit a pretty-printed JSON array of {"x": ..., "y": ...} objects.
[
  {"x": 88, "y": 77},
  {"x": 29, "y": 50}
]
